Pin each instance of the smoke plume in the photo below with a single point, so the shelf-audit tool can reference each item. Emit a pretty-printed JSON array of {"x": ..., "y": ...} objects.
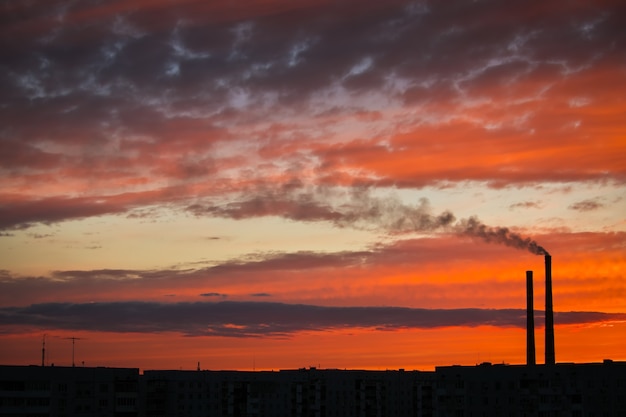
[
  {"x": 396, "y": 216},
  {"x": 501, "y": 235},
  {"x": 359, "y": 208}
]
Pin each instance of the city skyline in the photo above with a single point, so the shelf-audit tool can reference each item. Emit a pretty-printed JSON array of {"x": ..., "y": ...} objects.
[{"x": 289, "y": 184}]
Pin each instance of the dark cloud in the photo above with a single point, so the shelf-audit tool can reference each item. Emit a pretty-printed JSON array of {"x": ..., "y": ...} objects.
[
  {"x": 70, "y": 82},
  {"x": 526, "y": 205},
  {"x": 260, "y": 294},
  {"x": 586, "y": 205},
  {"x": 19, "y": 212},
  {"x": 254, "y": 319},
  {"x": 108, "y": 274},
  {"x": 139, "y": 94},
  {"x": 213, "y": 294},
  {"x": 22, "y": 214}
]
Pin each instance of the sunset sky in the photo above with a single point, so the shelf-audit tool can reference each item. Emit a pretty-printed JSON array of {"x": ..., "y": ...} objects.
[{"x": 272, "y": 184}]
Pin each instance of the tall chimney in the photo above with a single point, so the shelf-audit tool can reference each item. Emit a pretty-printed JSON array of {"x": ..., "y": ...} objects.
[
  {"x": 550, "y": 358},
  {"x": 530, "y": 320}
]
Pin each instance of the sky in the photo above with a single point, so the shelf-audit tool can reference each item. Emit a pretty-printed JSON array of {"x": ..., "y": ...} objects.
[{"x": 276, "y": 184}]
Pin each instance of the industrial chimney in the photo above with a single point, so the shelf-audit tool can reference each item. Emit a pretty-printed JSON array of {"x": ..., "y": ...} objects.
[
  {"x": 550, "y": 357},
  {"x": 530, "y": 321}
]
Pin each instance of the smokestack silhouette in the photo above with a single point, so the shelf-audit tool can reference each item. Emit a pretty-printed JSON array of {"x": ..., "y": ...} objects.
[
  {"x": 550, "y": 356},
  {"x": 43, "y": 351},
  {"x": 530, "y": 320}
]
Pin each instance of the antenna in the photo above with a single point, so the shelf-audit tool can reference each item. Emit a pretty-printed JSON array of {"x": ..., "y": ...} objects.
[{"x": 73, "y": 339}]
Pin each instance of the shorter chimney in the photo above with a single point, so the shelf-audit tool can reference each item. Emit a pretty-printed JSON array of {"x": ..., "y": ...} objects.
[
  {"x": 530, "y": 320},
  {"x": 550, "y": 356}
]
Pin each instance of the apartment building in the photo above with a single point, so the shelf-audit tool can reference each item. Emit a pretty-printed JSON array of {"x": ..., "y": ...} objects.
[
  {"x": 36, "y": 391},
  {"x": 563, "y": 390}
]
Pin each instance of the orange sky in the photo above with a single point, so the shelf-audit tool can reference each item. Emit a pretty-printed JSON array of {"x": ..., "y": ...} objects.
[{"x": 350, "y": 185}]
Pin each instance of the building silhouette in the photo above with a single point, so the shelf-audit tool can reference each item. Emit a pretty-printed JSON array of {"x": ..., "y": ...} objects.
[
  {"x": 563, "y": 389},
  {"x": 69, "y": 391}
]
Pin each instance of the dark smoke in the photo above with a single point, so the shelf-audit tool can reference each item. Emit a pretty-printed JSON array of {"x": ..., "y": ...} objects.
[
  {"x": 392, "y": 214},
  {"x": 501, "y": 235},
  {"x": 396, "y": 216},
  {"x": 365, "y": 210}
]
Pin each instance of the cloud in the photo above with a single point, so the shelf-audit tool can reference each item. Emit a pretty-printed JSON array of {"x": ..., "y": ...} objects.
[
  {"x": 526, "y": 205},
  {"x": 213, "y": 294},
  {"x": 40, "y": 235},
  {"x": 586, "y": 205},
  {"x": 18, "y": 214},
  {"x": 21, "y": 212},
  {"x": 254, "y": 319},
  {"x": 85, "y": 97},
  {"x": 350, "y": 276}
]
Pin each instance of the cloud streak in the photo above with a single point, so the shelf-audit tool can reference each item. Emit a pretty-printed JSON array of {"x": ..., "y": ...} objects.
[
  {"x": 258, "y": 319},
  {"x": 310, "y": 276},
  {"x": 586, "y": 205}
]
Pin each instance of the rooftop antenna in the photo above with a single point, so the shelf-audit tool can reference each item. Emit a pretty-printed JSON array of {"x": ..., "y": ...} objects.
[{"x": 73, "y": 339}]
